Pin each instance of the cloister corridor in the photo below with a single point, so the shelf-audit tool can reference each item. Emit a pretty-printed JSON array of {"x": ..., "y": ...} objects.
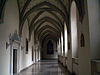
[
  {"x": 49, "y": 37},
  {"x": 45, "y": 67}
]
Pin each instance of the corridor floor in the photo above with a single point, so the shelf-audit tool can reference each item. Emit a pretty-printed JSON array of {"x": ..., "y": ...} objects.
[{"x": 45, "y": 67}]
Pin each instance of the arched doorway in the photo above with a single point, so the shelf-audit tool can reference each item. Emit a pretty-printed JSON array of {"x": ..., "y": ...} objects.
[{"x": 74, "y": 38}]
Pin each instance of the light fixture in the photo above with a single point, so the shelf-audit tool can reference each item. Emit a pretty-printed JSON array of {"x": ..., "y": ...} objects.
[{"x": 7, "y": 45}]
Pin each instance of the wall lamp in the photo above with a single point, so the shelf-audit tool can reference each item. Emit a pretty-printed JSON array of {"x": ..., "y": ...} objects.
[{"x": 7, "y": 45}]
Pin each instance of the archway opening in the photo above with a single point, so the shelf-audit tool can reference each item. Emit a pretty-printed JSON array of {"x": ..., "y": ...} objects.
[
  {"x": 62, "y": 44},
  {"x": 66, "y": 39},
  {"x": 74, "y": 36}
]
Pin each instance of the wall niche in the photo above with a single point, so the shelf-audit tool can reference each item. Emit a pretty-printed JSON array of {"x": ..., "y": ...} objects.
[{"x": 82, "y": 40}]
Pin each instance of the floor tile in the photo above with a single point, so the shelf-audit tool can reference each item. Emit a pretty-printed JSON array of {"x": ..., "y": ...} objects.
[{"x": 45, "y": 67}]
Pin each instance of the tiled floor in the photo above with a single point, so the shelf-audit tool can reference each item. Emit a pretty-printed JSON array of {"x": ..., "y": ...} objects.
[{"x": 45, "y": 67}]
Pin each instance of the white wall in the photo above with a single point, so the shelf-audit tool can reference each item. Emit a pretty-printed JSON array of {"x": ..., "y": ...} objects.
[
  {"x": 84, "y": 67},
  {"x": 26, "y": 59},
  {"x": 94, "y": 25},
  {"x": 10, "y": 25},
  {"x": 84, "y": 52}
]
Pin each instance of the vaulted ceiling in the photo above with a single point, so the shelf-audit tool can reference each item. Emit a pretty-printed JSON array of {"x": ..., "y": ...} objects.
[{"x": 45, "y": 17}]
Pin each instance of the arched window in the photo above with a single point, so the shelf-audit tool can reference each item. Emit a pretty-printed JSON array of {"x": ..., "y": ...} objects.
[
  {"x": 74, "y": 35},
  {"x": 50, "y": 47},
  {"x": 66, "y": 39}
]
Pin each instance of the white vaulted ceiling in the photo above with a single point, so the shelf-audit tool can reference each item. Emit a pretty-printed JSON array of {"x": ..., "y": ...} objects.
[{"x": 45, "y": 17}]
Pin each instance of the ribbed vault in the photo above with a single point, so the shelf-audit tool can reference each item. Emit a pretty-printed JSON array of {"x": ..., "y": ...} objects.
[{"x": 46, "y": 18}]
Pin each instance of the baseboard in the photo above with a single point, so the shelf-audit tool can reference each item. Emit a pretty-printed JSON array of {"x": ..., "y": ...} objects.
[
  {"x": 49, "y": 59},
  {"x": 67, "y": 69},
  {"x": 27, "y": 67}
]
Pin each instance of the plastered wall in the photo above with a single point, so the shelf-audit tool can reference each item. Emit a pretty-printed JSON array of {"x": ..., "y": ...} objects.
[
  {"x": 9, "y": 26},
  {"x": 26, "y": 58},
  {"x": 94, "y": 26},
  {"x": 84, "y": 52}
]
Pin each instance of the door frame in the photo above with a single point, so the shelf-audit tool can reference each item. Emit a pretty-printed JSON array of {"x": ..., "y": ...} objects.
[
  {"x": 14, "y": 43},
  {"x": 15, "y": 63}
]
